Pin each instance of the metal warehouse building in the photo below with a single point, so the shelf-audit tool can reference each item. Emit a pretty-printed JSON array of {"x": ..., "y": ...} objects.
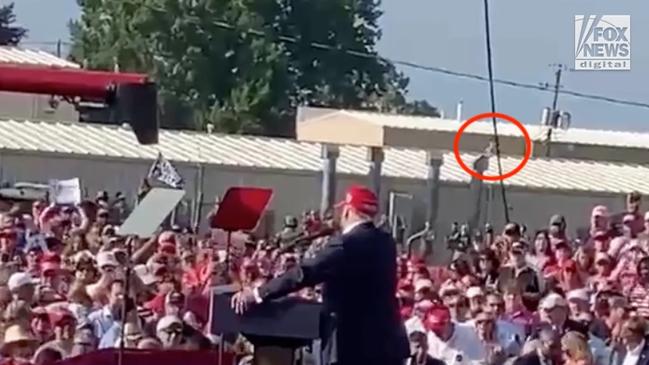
[{"x": 109, "y": 158}]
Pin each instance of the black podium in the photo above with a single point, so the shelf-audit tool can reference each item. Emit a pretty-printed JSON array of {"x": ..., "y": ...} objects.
[{"x": 276, "y": 329}]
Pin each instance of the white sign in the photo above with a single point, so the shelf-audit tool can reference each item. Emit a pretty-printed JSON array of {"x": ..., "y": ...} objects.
[
  {"x": 65, "y": 191},
  {"x": 603, "y": 42},
  {"x": 151, "y": 212}
]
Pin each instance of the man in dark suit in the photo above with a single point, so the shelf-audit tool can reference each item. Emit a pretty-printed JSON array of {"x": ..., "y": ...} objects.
[
  {"x": 633, "y": 349},
  {"x": 545, "y": 350},
  {"x": 358, "y": 270}
]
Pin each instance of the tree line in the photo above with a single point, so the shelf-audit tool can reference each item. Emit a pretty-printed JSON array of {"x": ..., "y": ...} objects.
[{"x": 244, "y": 66}]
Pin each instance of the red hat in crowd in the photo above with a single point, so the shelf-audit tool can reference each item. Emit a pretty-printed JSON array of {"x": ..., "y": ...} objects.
[
  {"x": 405, "y": 285},
  {"x": 361, "y": 199},
  {"x": 8, "y": 233},
  {"x": 569, "y": 265},
  {"x": 600, "y": 235},
  {"x": 168, "y": 248},
  {"x": 51, "y": 257},
  {"x": 406, "y": 312},
  {"x": 50, "y": 268},
  {"x": 61, "y": 317},
  {"x": 167, "y": 243},
  {"x": 600, "y": 211},
  {"x": 437, "y": 318}
]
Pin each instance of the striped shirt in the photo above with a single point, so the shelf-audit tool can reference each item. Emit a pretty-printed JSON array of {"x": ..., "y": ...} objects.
[{"x": 639, "y": 299}]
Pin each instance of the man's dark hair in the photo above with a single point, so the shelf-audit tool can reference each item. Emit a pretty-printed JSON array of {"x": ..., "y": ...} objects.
[
  {"x": 417, "y": 336},
  {"x": 492, "y": 292},
  {"x": 48, "y": 356},
  {"x": 545, "y": 332},
  {"x": 512, "y": 288},
  {"x": 190, "y": 334},
  {"x": 636, "y": 325},
  {"x": 513, "y": 228},
  {"x": 634, "y": 196},
  {"x": 491, "y": 256}
]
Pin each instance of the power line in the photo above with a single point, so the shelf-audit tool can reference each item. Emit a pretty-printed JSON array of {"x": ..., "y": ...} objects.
[
  {"x": 45, "y": 43},
  {"x": 365, "y": 54},
  {"x": 492, "y": 99},
  {"x": 522, "y": 85},
  {"x": 417, "y": 66}
]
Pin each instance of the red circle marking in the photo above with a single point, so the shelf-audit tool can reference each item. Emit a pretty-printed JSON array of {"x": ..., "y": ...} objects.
[{"x": 477, "y": 175}]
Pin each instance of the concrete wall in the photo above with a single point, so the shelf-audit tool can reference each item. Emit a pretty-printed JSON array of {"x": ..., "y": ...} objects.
[{"x": 295, "y": 191}]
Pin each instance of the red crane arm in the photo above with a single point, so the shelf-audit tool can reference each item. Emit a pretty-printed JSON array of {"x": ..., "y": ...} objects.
[
  {"x": 86, "y": 84},
  {"x": 132, "y": 98}
]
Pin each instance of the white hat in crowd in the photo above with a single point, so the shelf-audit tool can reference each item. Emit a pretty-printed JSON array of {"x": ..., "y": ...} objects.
[
  {"x": 83, "y": 255},
  {"x": 553, "y": 300},
  {"x": 423, "y": 284},
  {"x": 19, "y": 279},
  {"x": 578, "y": 294},
  {"x": 424, "y": 305},
  {"x": 448, "y": 289},
  {"x": 602, "y": 256},
  {"x": 106, "y": 258},
  {"x": 145, "y": 273},
  {"x": 17, "y": 335},
  {"x": 474, "y": 291},
  {"x": 167, "y": 322}
]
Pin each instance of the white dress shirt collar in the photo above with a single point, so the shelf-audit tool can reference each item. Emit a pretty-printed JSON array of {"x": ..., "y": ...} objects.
[
  {"x": 351, "y": 227},
  {"x": 638, "y": 349},
  {"x": 633, "y": 355}
]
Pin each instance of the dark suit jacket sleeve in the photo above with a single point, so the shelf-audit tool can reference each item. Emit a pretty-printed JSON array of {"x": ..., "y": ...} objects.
[{"x": 310, "y": 272}]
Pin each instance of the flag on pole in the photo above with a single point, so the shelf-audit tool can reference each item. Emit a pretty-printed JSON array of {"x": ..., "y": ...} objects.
[{"x": 163, "y": 171}]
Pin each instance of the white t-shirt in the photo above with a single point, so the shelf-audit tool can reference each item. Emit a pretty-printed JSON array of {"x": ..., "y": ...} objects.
[
  {"x": 414, "y": 324},
  {"x": 463, "y": 348}
]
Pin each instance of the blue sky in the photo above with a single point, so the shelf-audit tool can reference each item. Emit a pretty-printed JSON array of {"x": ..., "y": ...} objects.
[{"x": 527, "y": 37}]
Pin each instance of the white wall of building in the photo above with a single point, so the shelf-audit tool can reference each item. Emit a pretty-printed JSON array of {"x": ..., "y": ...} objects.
[
  {"x": 19, "y": 106},
  {"x": 295, "y": 191}
]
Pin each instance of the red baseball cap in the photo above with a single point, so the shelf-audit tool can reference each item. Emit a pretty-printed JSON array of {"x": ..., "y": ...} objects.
[
  {"x": 50, "y": 266},
  {"x": 599, "y": 235},
  {"x": 406, "y": 312},
  {"x": 361, "y": 199},
  {"x": 51, "y": 257},
  {"x": 60, "y": 317},
  {"x": 570, "y": 265},
  {"x": 167, "y": 237},
  {"x": 168, "y": 248}
]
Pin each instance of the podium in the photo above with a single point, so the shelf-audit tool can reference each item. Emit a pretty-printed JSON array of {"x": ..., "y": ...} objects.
[{"x": 276, "y": 328}]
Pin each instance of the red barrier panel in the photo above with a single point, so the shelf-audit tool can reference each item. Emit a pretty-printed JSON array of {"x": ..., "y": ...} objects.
[{"x": 143, "y": 357}]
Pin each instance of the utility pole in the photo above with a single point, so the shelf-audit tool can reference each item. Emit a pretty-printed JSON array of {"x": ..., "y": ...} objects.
[
  {"x": 553, "y": 113},
  {"x": 557, "y": 85}
]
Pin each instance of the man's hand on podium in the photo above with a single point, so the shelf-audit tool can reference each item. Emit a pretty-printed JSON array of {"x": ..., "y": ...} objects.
[{"x": 242, "y": 300}]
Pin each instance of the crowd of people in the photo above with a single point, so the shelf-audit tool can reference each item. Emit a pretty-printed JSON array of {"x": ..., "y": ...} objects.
[
  {"x": 547, "y": 298},
  {"x": 69, "y": 285}
]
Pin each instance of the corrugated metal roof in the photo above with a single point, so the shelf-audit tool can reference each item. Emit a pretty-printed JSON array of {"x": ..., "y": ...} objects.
[
  {"x": 537, "y": 132},
  {"x": 21, "y": 56},
  {"x": 246, "y": 151}
]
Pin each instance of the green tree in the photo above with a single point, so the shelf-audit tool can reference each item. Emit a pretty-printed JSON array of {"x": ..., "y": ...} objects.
[
  {"x": 10, "y": 35},
  {"x": 245, "y": 65}
]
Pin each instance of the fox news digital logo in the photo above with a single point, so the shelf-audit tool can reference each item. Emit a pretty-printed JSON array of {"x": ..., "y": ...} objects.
[{"x": 602, "y": 42}]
